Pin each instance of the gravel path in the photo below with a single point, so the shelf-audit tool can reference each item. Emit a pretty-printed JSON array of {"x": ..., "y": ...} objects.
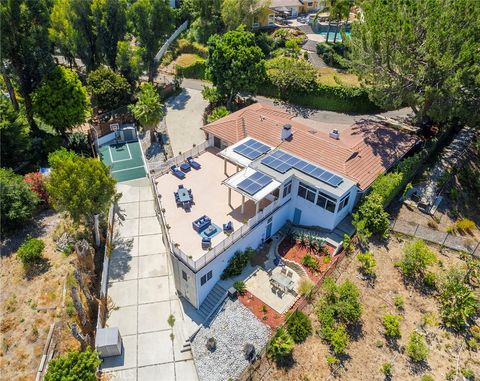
[{"x": 233, "y": 327}]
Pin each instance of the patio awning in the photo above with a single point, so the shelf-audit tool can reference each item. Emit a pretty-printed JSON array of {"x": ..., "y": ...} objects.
[{"x": 234, "y": 180}]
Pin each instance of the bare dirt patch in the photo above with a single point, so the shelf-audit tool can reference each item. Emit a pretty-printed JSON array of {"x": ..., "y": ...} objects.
[
  {"x": 370, "y": 350},
  {"x": 30, "y": 304}
]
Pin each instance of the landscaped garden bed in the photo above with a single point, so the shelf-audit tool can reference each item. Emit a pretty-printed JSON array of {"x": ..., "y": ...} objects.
[
  {"x": 264, "y": 313},
  {"x": 315, "y": 257}
]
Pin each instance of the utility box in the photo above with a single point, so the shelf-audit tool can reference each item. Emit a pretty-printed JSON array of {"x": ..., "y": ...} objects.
[{"x": 108, "y": 342}]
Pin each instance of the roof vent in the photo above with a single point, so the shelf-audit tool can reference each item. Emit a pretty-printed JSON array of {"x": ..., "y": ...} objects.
[
  {"x": 286, "y": 132},
  {"x": 334, "y": 134}
]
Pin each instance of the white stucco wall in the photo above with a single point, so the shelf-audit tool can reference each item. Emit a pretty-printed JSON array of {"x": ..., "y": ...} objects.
[{"x": 253, "y": 239}]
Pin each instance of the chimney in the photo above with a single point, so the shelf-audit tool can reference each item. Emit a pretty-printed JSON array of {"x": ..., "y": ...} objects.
[
  {"x": 334, "y": 134},
  {"x": 286, "y": 132}
]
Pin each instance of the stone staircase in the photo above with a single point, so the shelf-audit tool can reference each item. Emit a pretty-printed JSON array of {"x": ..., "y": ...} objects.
[{"x": 212, "y": 301}]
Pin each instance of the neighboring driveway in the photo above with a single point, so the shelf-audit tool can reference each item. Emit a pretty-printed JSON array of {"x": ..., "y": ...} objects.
[
  {"x": 184, "y": 119},
  {"x": 143, "y": 295}
]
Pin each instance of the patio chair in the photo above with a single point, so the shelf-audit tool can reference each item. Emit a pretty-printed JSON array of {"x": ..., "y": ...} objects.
[
  {"x": 206, "y": 243},
  {"x": 193, "y": 163},
  {"x": 180, "y": 186},
  {"x": 177, "y": 172},
  {"x": 290, "y": 274},
  {"x": 228, "y": 227},
  {"x": 283, "y": 270}
]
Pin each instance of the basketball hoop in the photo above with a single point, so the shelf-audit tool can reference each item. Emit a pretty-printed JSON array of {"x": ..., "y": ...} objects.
[{"x": 114, "y": 127}]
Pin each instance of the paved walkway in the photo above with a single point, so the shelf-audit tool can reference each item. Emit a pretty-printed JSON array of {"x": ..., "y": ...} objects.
[
  {"x": 184, "y": 119},
  {"x": 141, "y": 288}
]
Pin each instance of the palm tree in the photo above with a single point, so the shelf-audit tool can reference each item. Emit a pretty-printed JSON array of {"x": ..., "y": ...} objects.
[{"x": 339, "y": 12}]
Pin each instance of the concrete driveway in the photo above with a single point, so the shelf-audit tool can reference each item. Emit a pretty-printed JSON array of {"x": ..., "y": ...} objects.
[{"x": 184, "y": 119}]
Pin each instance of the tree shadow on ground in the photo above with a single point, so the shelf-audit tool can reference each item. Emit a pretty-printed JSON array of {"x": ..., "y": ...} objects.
[
  {"x": 286, "y": 362},
  {"x": 34, "y": 228},
  {"x": 41, "y": 266},
  {"x": 419, "y": 367},
  {"x": 178, "y": 102},
  {"x": 355, "y": 331}
]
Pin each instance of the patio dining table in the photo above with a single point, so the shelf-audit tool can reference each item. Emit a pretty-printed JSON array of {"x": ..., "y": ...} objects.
[
  {"x": 281, "y": 281},
  {"x": 183, "y": 195}
]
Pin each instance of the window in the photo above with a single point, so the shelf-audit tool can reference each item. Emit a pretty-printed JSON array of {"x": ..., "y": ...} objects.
[
  {"x": 287, "y": 188},
  {"x": 326, "y": 202},
  {"x": 307, "y": 192},
  {"x": 204, "y": 279},
  {"x": 343, "y": 202},
  {"x": 184, "y": 275}
]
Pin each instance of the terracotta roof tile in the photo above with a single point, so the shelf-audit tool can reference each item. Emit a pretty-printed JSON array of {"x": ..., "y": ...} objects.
[{"x": 363, "y": 151}]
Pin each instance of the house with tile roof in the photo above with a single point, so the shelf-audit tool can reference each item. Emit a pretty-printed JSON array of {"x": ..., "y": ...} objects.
[{"x": 261, "y": 169}]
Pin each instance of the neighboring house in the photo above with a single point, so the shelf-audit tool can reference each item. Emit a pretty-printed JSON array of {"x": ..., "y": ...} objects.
[
  {"x": 292, "y": 8},
  {"x": 263, "y": 169},
  {"x": 264, "y": 19}
]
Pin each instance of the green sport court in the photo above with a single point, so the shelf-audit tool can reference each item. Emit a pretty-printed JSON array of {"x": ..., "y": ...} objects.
[{"x": 124, "y": 159}]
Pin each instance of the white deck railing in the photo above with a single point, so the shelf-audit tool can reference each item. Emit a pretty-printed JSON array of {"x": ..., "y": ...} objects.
[
  {"x": 223, "y": 245},
  {"x": 160, "y": 168}
]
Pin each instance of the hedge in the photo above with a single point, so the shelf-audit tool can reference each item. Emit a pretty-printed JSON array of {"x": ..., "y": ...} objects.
[
  {"x": 194, "y": 70},
  {"x": 325, "y": 97}
]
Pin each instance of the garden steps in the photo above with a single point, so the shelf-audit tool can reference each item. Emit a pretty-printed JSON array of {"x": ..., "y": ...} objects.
[
  {"x": 295, "y": 267},
  {"x": 212, "y": 301}
]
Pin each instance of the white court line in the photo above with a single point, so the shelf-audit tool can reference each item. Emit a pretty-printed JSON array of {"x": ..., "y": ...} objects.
[
  {"x": 117, "y": 161},
  {"x": 127, "y": 169}
]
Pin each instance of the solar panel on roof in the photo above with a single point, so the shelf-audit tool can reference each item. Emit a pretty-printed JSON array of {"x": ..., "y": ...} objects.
[
  {"x": 335, "y": 181},
  {"x": 326, "y": 176},
  {"x": 254, "y": 183},
  {"x": 251, "y": 149},
  {"x": 317, "y": 172},
  {"x": 284, "y": 167}
]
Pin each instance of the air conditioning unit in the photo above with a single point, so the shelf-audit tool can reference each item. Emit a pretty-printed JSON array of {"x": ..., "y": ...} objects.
[{"x": 334, "y": 134}]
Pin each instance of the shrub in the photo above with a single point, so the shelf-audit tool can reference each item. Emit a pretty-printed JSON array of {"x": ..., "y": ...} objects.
[
  {"x": 186, "y": 46},
  {"x": 109, "y": 90},
  {"x": 427, "y": 377},
  {"x": 399, "y": 302},
  {"x": 430, "y": 279},
  {"x": 337, "y": 307},
  {"x": 465, "y": 225},
  {"x": 339, "y": 340},
  {"x": 193, "y": 67},
  {"x": 148, "y": 110},
  {"x": 310, "y": 262},
  {"x": 299, "y": 326},
  {"x": 30, "y": 251},
  {"x": 74, "y": 366},
  {"x": 78, "y": 142},
  {"x": 416, "y": 347},
  {"x": 458, "y": 302},
  {"x": 288, "y": 75},
  {"x": 281, "y": 345},
  {"x": 367, "y": 263},
  {"x": 333, "y": 54},
  {"x": 371, "y": 218},
  {"x": 237, "y": 263},
  {"x": 468, "y": 373},
  {"x": 387, "y": 369},
  {"x": 217, "y": 113},
  {"x": 347, "y": 244},
  {"x": 305, "y": 287},
  {"x": 17, "y": 201},
  {"x": 36, "y": 182},
  {"x": 416, "y": 258},
  {"x": 240, "y": 287},
  {"x": 391, "y": 323}
]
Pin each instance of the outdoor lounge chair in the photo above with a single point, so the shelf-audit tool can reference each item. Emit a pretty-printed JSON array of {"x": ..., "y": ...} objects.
[
  {"x": 177, "y": 172},
  {"x": 193, "y": 163},
  {"x": 185, "y": 167},
  {"x": 228, "y": 227},
  {"x": 206, "y": 243}
]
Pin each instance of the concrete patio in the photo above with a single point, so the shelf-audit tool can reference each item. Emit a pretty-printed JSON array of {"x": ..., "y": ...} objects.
[
  {"x": 141, "y": 289},
  {"x": 210, "y": 198}
]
